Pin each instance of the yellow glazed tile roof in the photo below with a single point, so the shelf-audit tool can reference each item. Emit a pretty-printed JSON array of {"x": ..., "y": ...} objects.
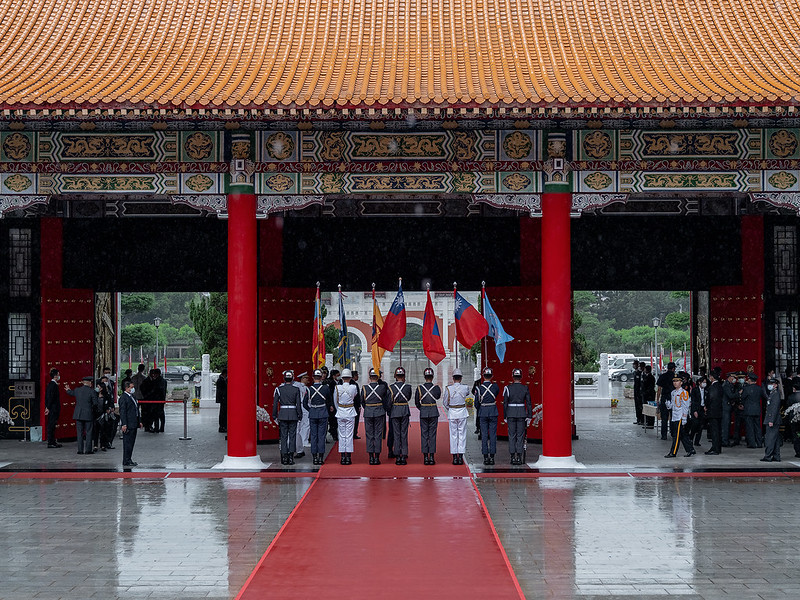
[{"x": 390, "y": 53}]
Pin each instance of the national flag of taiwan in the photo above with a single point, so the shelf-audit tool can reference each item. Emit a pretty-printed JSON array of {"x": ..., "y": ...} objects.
[
  {"x": 377, "y": 326},
  {"x": 318, "y": 349},
  {"x": 431, "y": 337},
  {"x": 496, "y": 331},
  {"x": 470, "y": 324},
  {"x": 394, "y": 326},
  {"x": 342, "y": 353}
]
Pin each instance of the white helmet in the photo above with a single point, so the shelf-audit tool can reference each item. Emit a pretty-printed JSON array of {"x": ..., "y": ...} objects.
[{"x": 347, "y": 374}]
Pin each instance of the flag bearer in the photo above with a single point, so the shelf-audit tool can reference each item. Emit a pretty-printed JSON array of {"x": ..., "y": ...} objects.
[
  {"x": 486, "y": 403},
  {"x": 518, "y": 412},
  {"x": 344, "y": 399},
  {"x": 286, "y": 408},
  {"x": 399, "y": 415},
  {"x": 318, "y": 402},
  {"x": 375, "y": 399},
  {"x": 426, "y": 398},
  {"x": 454, "y": 401}
]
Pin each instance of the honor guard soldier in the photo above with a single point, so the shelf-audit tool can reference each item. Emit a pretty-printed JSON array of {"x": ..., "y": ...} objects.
[
  {"x": 679, "y": 404},
  {"x": 399, "y": 415},
  {"x": 486, "y": 402},
  {"x": 345, "y": 401},
  {"x": 518, "y": 412},
  {"x": 318, "y": 402},
  {"x": 454, "y": 401},
  {"x": 286, "y": 408},
  {"x": 426, "y": 397},
  {"x": 375, "y": 399}
]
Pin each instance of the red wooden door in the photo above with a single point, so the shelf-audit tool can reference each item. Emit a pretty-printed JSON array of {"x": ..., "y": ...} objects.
[{"x": 285, "y": 330}]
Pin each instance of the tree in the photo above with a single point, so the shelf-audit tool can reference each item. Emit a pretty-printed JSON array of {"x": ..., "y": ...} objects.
[
  {"x": 142, "y": 334},
  {"x": 677, "y": 320},
  {"x": 583, "y": 355},
  {"x": 210, "y": 317},
  {"x": 137, "y": 303},
  {"x": 331, "y": 338}
]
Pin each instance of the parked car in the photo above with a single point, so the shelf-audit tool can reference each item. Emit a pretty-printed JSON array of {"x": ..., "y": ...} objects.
[
  {"x": 622, "y": 374},
  {"x": 178, "y": 373}
]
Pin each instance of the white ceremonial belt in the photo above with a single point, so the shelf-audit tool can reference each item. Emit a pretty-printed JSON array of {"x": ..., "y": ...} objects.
[
  {"x": 516, "y": 405},
  {"x": 318, "y": 405}
]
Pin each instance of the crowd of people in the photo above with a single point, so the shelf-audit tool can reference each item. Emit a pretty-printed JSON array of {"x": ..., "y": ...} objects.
[
  {"x": 730, "y": 409},
  {"x": 333, "y": 403}
]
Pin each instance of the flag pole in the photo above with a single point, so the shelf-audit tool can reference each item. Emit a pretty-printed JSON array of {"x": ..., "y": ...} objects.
[
  {"x": 340, "y": 352},
  {"x": 484, "y": 342},
  {"x": 428, "y": 288},
  {"x": 400, "y": 284},
  {"x": 454, "y": 300}
]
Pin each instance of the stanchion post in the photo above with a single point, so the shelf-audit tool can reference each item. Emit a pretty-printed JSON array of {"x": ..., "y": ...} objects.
[{"x": 185, "y": 421}]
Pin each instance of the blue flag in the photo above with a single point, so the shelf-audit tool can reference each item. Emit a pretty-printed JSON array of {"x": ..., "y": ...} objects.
[
  {"x": 496, "y": 331},
  {"x": 342, "y": 353}
]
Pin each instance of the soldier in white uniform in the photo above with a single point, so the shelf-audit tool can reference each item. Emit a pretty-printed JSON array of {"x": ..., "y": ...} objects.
[
  {"x": 344, "y": 399},
  {"x": 303, "y": 427},
  {"x": 375, "y": 400},
  {"x": 680, "y": 405},
  {"x": 287, "y": 409},
  {"x": 399, "y": 415},
  {"x": 517, "y": 412},
  {"x": 454, "y": 401},
  {"x": 426, "y": 399}
]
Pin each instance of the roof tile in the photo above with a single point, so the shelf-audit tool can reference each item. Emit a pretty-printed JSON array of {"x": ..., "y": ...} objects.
[{"x": 375, "y": 53}]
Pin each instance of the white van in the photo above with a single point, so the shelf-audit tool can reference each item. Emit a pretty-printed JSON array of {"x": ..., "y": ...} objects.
[{"x": 616, "y": 361}]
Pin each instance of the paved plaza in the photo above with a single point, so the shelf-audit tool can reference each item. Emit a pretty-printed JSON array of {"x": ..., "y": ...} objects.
[{"x": 632, "y": 524}]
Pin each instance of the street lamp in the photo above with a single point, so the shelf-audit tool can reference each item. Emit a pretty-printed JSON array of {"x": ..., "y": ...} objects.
[
  {"x": 157, "y": 323},
  {"x": 656, "y": 325}
]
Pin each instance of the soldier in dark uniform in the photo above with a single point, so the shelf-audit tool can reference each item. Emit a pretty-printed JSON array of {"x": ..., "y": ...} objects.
[
  {"x": 772, "y": 419},
  {"x": 486, "y": 404},
  {"x": 697, "y": 412},
  {"x": 319, "y": 404},
  {"x": 715, "y": 398},
  {"x": 426, "y": 397},
  {"x": 637, "y": 392},
  {"x": 375, "y": 399},
  {"x": 332, "y": 382},
  {"x": 730, "y": 399},
  {"x": 399, "y": 415},
  {"x": 52, "y": 408},
  {"x": 286, "y": 408},
  {"x": 751, "y": 411},
  {"x": 86, "y": 403},
  {"x": 517, "y": 412}
]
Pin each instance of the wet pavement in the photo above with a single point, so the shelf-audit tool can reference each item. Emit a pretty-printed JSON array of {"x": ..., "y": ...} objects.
[{"x": 633, "y": 525}]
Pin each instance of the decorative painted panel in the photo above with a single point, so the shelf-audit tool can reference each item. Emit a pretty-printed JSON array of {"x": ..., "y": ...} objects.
[
  {"x": 108, "y": 184},
  {"x": 18, "y": 183},
  {"x": 645, "y": 181},
  {"x": 780, "y": 181},
  {"x": 657, "y": 145},
  {"x": 782, "y": 143},
  {"x": 18, "y": 146},
  {"x": 200, "y": 146},
  {"x": 416, "y": 183},
  {"x": 596, "y": 145},
  {"x": 202, "y": 183}
]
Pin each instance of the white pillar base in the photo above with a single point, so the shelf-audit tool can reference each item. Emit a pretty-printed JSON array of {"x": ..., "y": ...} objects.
[
  {"x": 241, "y": 463},
  {"x": 557, "y": 462}
]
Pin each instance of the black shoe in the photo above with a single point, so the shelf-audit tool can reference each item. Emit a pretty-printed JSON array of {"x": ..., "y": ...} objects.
[
  {"x": 455, "y": 459},
  {"x": 391, "y": 455},
  {"x": 670, "y": 455},
  {"x": 432, "y": 462},
  {"x": 491, "y": 459},
  {"x": 697, "y": 444},
  {"x": 110, "y": 447},
  {"x": 765, "y": 459},
  {"x": 342, "y": 459},
  {"x": 398, "y": 461},
  {"x": 486, "y": 459},
  {"x": 776, "y": 460},
  {"x": 377, "y": 459},
  {"x": 80, "y": 451},
  {"x": 290, "y": 459},
  {"x": 663, "y": 437},
  {"x": 461, "y": 459},
  {"x": 371, "y": 458},
  {"x": 299, "y": 454},
  {"x": 223, "y": 430},
  {"x": 54, "y": 445},
  {"x": 130, "y": 464},
  {"x": 688, "y": 454},
  {"x": 711, "y": 452},
  {"x": 283, "y": 459},
  {"x": 103, "y": 448}
]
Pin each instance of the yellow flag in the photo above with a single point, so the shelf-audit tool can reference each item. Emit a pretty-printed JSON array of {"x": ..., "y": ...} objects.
[{"x": 377, "y": 325}]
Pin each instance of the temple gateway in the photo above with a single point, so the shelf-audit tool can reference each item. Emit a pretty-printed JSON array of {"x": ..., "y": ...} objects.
[{"x": 258, "y": 147}]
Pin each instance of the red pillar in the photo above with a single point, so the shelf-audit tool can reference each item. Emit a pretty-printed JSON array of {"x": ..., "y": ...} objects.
[
  {"x": 242, "y": 324},
  {"x": 556, "y": 325}
]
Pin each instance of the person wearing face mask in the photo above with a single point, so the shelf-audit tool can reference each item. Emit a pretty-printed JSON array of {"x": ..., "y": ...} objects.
[
  {"x": 131, "y": 422},
  {"x": 52, "y": 408},
  {"x": 751, "y": 411},
  {"x": 698, "y": 410},
  {"x": 772, "y": 419},
  {"x": 86, "y": 402},
  {"x": 730, "y": 392}
]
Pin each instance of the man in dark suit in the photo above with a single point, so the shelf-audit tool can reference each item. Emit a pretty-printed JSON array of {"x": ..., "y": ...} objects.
[
  {"x": 222, "y": 400},
  {"x": 637, "y": 391},
  {"x": 131, "y": 422},
  {"x": 86, "y": 403},
  {"x": 697, "y": 412},
  {"x": 52, "y": 408},
  {"x": 714, "y": 403}
]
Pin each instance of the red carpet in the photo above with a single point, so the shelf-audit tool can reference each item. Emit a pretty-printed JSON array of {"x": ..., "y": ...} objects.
[
  {"x": 387, "y": 538},
  {"x": 444, "y": 466}
]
